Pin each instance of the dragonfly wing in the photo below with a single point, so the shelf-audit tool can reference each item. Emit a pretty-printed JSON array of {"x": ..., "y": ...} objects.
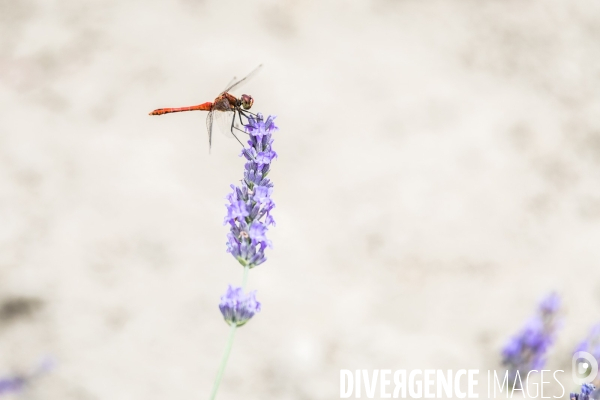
[
  {"x": 237, "y": 83},
  {"x": 223, "y": 121},
  {"x": 227, "y": 124},
  {"x": 231, "y": 82},
  {"x": 209, "y": 126}
]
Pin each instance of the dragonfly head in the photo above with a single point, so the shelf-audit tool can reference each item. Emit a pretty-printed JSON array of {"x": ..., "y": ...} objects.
[{"x": 247, "y": 101}]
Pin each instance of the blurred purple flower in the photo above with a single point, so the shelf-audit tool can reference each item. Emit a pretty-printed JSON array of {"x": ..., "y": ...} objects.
[
  {"x": 11, "y": 385},
  {"x": 527, "y": 350},
  {"x": 586, "y": 391},
  {"x": 587, "y": 388},
  {"x": 250, "y": 204},
  {"x": 237, "y": 308},
  {"x": 18, "y": 382},
  {"x": 550, "y": 304},
  {"x": 591, "y": 343}
]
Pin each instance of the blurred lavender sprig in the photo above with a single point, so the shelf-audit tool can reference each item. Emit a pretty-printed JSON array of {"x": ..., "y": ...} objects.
[
  {"x": 586, "y": 391},
  {"x": 250, "y": 204},
  {"x": 12, "y": 384},
  {"x": 527, "y": 350},
  {"x": 17, "y": 383}
]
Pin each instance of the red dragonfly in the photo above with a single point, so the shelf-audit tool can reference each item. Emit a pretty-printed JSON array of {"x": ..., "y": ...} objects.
[{"x": 224, "y": 108}]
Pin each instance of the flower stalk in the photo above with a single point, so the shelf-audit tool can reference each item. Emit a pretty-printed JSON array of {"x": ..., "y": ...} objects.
[
  {"x": 224, "y": 359},
  {"x": 249, "y": 217}
]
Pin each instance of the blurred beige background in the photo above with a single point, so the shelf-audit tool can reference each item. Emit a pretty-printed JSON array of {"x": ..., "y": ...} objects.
[{"x": 438, "y": 173}]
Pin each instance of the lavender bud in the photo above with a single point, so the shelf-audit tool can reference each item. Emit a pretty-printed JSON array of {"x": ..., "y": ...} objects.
[{"x": 237, "y": 308}]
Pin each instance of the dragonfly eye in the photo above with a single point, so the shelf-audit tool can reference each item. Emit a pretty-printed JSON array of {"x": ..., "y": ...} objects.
[{"x": 247, "y": 101}]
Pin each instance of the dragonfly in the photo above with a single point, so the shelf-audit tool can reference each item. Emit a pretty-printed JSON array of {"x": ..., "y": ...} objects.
[{"x": 224, "y": 109}]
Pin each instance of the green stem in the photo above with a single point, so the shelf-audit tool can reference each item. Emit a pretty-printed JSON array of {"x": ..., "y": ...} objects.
[
  {"x": 223, "y": 362},
  {"x": 245, "y": 277},
  {"x": 228, "y": 345}
]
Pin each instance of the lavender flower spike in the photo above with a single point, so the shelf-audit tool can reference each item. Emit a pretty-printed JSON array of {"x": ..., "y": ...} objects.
[
  {"x": 13, "y": 384},
  {"x": 237, "y": 308},
  {"x": 249, "y": 217},
  {"x": 526, "y": 351},
  {"x": 250, "y": 204},
  {"x": 586, "y": 390}
]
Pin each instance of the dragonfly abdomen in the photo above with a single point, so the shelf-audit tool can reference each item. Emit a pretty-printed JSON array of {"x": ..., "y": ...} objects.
[{"x": 200, "y": 107}]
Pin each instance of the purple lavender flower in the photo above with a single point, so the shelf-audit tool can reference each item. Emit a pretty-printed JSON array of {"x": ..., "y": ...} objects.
[
  {"x": 237, "y": 308},
  {"x": 586, "y": 390},
  {"x": 527, "y": 350},
  {"x": 17, "y": 383},
  {"x": 550, "y": 304},
  {"x": 11, "y": 385},
  {"x": 250, "y": 204}
]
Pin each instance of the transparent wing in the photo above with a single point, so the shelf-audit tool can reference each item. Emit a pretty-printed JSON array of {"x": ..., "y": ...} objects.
[
  {"x": 223, "y": 122},
  {"x": 209, "y": 127},
  {"x": 227, "y": 124},
  {"x": 237, "y": 83},
  {"x": 231, "y": 82}
]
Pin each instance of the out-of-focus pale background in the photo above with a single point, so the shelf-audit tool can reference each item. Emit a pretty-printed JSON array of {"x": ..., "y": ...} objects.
[{"x": 438, "y": 173}]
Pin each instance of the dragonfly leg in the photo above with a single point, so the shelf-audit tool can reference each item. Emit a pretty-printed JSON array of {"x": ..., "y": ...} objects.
[
  {"x": 235, "y": 127},
  {"x": 240, "y": 116},
  {"x": 241, "y": 112},
  {"x": 244, "y": 112}
]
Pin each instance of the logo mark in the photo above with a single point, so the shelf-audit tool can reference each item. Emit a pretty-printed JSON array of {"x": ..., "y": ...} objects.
[{"x": 584, "y": 367}]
